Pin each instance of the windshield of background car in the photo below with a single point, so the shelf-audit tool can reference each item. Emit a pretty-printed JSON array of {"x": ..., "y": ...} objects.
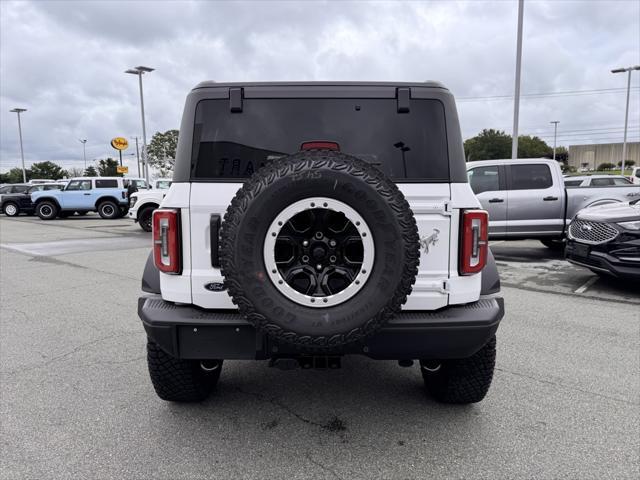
[{"x": 405, "y": 146}]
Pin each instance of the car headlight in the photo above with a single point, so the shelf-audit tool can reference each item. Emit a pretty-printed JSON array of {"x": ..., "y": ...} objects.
[
  {"x": 132, "y": 200},
  {"x": 633, "y": 225}
]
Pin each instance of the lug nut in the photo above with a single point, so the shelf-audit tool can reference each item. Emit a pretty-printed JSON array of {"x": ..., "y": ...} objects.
[
  {"x": 319, "y": 235},
  {"x": 332, "y": 243},
  {"x": 305, "y": 258},
  {"x": 319, "y": 267},
  {"x": 305, "y": 243},
  {"x": 332, "y": 259}
]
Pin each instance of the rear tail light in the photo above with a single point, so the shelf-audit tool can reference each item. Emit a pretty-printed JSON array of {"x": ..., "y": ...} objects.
[
  {"x": 320, "y": 146},
  {"x": 166, "y": 241},
  {"x": 473, "y": 241}
]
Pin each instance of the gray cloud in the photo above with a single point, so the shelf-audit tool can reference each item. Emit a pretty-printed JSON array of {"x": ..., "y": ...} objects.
[{"x": 64, "y": 61}]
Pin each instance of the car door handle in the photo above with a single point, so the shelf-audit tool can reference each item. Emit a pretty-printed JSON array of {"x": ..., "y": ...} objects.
[
  {"x": 86, "y": 194},
  {"x": 550, "y": 199},
  {"x": 496, "y": 200}
]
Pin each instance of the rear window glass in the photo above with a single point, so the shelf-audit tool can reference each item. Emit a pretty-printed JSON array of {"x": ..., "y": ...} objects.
[
  {"x": 112, "y": 183},
  {"x": 530, "y": 177},
  {"x": 572, "y": 183},
  {"x": 405, "y": 146},
  {"x": 484, "y": 179}
]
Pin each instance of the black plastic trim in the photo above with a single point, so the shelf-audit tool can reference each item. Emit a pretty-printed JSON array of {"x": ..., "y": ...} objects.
[
  {"x": 151, "y": 276},
  {"x": 404, "y": 99},
  {"x": 490, "y": 278},
  {"x": 214, "y": 236},
  {"x": 185, "y": 331},
  {"x": 235, "y": 100}
]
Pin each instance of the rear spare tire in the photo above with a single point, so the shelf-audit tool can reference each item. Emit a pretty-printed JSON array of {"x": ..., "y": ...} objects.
[{"x": 319, "y": 249}]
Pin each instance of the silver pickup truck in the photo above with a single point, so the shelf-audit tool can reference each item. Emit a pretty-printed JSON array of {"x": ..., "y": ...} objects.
[{"x": 527, "y": 198}]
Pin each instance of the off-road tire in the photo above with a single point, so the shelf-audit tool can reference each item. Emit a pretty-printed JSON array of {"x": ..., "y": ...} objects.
[
  {"x": 11, "y": 209},
  {"x": 145, "y": 218},
  {"x": 462, "y": 381},
  {"x": 176, "y": 380},
  {"x": 108, "y": 210},
  {"x": 346, "y": 179},
  {"x": 47, "y": 210}
]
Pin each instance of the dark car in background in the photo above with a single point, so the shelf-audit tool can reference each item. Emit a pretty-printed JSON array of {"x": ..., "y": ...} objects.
[
  {"x": 18, "y": 200},
  {"x": 606, "y": 239}
]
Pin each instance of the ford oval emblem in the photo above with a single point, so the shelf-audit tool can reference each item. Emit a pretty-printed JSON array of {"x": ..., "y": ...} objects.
[
  {"x": 215, "y": 286},
  {"x": 586, "y": 228}
]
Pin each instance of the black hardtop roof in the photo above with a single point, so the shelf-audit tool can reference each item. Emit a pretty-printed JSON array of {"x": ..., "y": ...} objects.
[{"x": 426, "y": 84}]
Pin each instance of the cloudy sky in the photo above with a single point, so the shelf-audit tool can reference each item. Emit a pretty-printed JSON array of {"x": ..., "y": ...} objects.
[{"x": 64, "y": 62}]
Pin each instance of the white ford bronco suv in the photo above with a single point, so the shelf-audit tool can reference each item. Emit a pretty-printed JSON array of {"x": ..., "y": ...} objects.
[{"x": 309, "y": 221}]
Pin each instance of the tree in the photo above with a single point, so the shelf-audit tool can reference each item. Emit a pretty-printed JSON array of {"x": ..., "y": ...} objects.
[
  {"x": 606, "y": 166},
  {"x": 489, "y": 144},
  {"x": 48, "y": 170},
  {"x": 107, "y": 167},
  {"x": 14, "y": 176},
  {"x": 75, "y": 172},
  {"x": 161, "y": 151},
  {"x": 562, "y": 154},
  {"x": 90, "y": 171},
  {"x": 533, "y": 147},
  {"x": 492, "y": 144},
  {"x": 628, "y": 163}
]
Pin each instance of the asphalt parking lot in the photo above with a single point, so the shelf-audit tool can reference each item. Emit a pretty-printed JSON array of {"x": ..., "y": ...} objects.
[{"x": 76, "y": 401}]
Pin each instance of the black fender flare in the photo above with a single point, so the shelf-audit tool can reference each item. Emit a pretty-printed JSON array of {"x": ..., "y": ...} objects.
[
  {"x": 151, "y": 276},
  {"x": 490, "y": 277}
]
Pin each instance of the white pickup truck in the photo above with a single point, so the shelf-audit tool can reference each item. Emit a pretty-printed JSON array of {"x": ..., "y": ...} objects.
[
  {"x": 527, "y": 198},
  {"x": 142, "y": 204}
]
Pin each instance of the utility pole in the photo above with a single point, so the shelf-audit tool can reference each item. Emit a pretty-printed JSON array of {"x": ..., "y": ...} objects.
[
  {"x": 24, "y": 171},
  {"x": 137, "y": 155},
  {"x": 516, "y": 100},
  {"x": 626, "y": 112},
  {"x": 555, "y": 136},
  {"x": 83, "y": 141}
]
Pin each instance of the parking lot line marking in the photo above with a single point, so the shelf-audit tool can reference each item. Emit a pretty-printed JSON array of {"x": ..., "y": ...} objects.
[{"x": 586, "y": 285}]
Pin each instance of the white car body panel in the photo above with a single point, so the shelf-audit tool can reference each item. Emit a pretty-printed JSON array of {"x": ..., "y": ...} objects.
[{"x": 436, "y": 209}]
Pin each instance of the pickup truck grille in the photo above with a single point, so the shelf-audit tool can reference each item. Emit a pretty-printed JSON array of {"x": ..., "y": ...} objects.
[{"x": 593, "y": 233}]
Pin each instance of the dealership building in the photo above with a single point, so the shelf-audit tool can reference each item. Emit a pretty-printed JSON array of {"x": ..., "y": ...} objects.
[{"x": 590, "y": 156}]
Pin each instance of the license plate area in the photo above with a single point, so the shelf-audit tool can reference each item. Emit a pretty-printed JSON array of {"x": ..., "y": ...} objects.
[{"x": 580, "y": 250}]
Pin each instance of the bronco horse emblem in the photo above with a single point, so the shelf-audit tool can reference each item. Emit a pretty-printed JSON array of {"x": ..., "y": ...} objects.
[{"x": 432, "y": 239}]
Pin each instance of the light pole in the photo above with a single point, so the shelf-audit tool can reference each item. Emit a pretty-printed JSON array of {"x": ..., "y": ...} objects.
[
  {"x": 516, "y": 100},
  {"x": 83, "y": 141},
  {"x": 19, "y": 111},
  {"x": 139, "y": 71},
  {"x": 555, "y": 136},
  {"x": 626, "y": 112}
]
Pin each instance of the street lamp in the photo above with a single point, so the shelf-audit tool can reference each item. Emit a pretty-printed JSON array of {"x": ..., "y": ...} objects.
[
  {"x": 139, "y": 71},
  {"x": 19, "y": 111},
  {"x": 516, "y": 99},
  {"x": 555, "y": 135},
  {"x": 626, "y": 113},
  {"x": 83, "y": 141}
]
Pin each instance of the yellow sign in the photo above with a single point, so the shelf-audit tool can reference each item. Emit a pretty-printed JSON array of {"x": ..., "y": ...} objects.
[
  {"x": 120, "y": 169},
  {"x": 120, "y": 143}
]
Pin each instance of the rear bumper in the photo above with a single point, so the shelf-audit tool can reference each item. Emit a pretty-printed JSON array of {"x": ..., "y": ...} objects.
[{"x": 193, "y": 333}]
